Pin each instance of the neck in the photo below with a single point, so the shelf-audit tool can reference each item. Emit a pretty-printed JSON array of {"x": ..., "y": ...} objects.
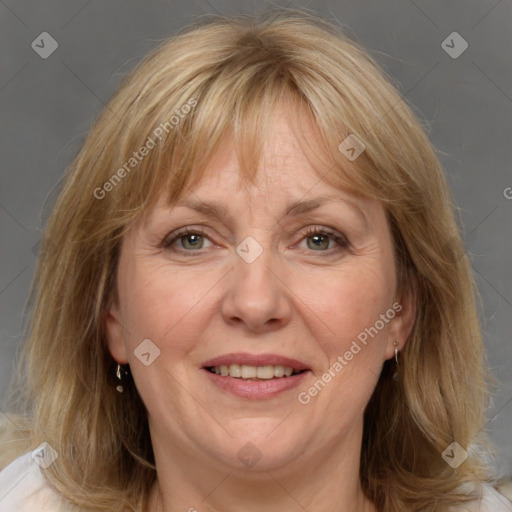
[{"x": 323, "y": 481}]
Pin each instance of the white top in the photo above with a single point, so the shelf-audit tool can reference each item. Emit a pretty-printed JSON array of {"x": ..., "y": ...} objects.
[{"x": 24, "y": 489}]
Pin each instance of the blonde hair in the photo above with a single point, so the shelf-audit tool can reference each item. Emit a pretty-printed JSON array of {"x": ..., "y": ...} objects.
[{"x": 234, "y": 74}]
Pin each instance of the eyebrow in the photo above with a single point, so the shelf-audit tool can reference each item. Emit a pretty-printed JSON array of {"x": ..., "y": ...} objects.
[
  {"x": 295, "y": 209},
  {"x": 299, "y": 207}
]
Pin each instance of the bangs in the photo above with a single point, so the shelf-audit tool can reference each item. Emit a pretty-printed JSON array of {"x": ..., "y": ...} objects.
[{"x": 236, "y": 105}]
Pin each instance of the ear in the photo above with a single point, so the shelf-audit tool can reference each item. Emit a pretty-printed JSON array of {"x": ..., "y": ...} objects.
[
  {"x": 115, "y": 333},
  {"x": 400, "y": 327}
]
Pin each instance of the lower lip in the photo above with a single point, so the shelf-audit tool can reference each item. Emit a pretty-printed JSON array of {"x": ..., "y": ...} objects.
[{"x": 256, "y": 388}]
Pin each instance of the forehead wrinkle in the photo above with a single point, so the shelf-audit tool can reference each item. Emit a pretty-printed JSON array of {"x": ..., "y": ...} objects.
[{"x": 297, "y": 208}]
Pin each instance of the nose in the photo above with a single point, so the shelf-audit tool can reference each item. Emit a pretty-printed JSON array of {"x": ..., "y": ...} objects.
[{"x": 257, "y": 298}]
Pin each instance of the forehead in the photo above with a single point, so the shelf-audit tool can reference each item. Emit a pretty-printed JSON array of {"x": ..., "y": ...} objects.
[
  {"x": 280, "y": 159},
  {"x": 286, "y": 167},
  {"x": 289, "y": 180}
]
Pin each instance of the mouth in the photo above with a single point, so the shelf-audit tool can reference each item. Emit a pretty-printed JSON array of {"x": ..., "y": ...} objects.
[
  {"x": 255, "y": 375},
  {"x": 255, "y": 366},
  {"x": 249, "y": 372}
]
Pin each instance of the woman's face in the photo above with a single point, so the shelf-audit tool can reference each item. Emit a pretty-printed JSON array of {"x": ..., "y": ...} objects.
[{"x": 249, "y": 289}]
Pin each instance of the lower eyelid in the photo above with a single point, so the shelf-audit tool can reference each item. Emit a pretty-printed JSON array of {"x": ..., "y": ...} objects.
[{"x": 339, "y": 244}]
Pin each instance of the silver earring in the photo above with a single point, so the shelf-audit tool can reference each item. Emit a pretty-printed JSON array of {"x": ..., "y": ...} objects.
[
  {"x": 395, "y": 375},
  {"x": 119, "y": 387}
]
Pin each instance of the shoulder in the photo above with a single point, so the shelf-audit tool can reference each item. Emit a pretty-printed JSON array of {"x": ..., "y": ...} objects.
[
  {"x": 23, "y": 487},
  {"x": 493, "y": 501},
  {"x": 490, "y": 501}
]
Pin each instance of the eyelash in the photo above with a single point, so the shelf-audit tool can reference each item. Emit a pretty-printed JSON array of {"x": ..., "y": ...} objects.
[{"x": 341, "y": 240}]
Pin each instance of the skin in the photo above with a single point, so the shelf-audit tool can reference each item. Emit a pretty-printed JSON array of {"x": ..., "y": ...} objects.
[{"x": 304, "y": 297}]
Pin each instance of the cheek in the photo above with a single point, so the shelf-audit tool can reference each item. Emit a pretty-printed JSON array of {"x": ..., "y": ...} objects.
[
  {"x": 348, "y": 305},
  {"x": 346, "y": 302},
  {"x": 346, "y": 324},
  {"x": 160, "y": 304}
]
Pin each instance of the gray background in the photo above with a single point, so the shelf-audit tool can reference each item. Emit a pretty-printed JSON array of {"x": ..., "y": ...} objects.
[{"x": 47, "y": 106}]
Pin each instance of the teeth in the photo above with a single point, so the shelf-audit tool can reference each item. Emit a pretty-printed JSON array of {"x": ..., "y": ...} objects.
[
  {"x": 248, "y": 372},
  {"x": 278, "y": 371},
  {"x": 265, "y": 372},
  {"x": 252, "y": 372},
  {"x": 234, "y": 371}
]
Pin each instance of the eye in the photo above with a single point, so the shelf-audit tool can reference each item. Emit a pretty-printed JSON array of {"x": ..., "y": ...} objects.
[
  {"x": 324, "y": 240},
  {"x": 190, "y": 240}
]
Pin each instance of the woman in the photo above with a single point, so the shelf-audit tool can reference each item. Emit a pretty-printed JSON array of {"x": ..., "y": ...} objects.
[{"x": 253, "y": 296}]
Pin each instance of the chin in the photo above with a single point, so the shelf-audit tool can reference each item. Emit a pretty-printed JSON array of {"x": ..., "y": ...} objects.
[{"x": 266, "y": 446}]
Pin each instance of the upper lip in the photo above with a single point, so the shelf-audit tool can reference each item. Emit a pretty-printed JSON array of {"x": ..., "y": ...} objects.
[{"x": 256, "y": 360}]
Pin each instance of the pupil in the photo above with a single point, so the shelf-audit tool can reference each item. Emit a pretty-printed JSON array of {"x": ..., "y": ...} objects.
[
  {"x": 193, "y": 240},
  {"x": 319, "y": 238}
]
